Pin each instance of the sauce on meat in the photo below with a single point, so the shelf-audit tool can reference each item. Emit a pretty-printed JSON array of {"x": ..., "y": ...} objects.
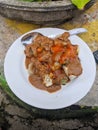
[
  {"x": 37, "y": 82},
  {"x": 46, "y": 57}
]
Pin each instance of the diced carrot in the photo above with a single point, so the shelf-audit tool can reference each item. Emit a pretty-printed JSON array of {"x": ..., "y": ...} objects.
[
  {"x": 40, "y": 59},
  {"x": 39, "y": 49},
  {"x": 69, "y": 53},
  {"x": 57, "y": 48}
]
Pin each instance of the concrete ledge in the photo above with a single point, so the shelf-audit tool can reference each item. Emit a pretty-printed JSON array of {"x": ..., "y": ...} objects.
[{"x": 50, "y": 13}]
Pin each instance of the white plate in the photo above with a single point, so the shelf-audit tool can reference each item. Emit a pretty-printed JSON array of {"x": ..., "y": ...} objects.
[{"x": 17, "y": 76}]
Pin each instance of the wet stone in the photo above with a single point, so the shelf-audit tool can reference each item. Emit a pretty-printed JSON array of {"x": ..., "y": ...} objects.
[
  {"x": 70, "y": 124},
  {"x": 86, "y": 128},
  {"x": 96, "y": 119},
  {"x": 18, "y": 125},
  {"x": 62, "y": 124},
  {"x": 15, "y": 110},
  {"x": 3, "y": 98}
]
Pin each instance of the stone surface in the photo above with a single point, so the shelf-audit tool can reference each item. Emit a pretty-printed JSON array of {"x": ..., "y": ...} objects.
[
  {"x": 47, "y": 13},
  {"x": 35, "y": 4},
  {"x": 14, "y": 116}
]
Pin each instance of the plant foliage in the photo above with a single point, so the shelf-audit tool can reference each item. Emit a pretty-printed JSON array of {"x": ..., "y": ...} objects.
[{"x": 80, "y": 3}]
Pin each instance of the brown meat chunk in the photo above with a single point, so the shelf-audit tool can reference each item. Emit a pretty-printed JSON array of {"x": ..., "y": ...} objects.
[{"x": 74, "y": 67}]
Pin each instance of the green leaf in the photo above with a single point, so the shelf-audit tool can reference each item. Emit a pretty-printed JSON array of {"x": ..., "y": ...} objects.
[
  {"x": 80, "y": 3},
  {"x": 3, "y": 81}
]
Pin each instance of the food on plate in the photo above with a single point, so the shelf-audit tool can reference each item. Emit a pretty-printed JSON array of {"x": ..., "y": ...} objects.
[{"x": 52, "y": 62}]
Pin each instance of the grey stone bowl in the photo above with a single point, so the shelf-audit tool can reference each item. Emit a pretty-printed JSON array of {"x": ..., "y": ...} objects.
[{"x": 47, "y": 13}]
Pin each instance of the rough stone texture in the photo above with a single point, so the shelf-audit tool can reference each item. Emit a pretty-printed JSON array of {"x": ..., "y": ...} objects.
[
  {"x": 92, "y": 97},
  {"x": 36, "y": 4},
  {"x": 37, "y": 12},
  {"x": 13, "y": 116},
  {"x": 6, "y": 39},
  {"x": 17, "y": 120},
  {"x": 47, "y": 13},
  {"x": 14, "y": 110}
]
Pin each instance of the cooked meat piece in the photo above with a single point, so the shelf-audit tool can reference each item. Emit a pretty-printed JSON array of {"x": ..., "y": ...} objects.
[
  {"x": 59, "y": 42},
  {"x": 64, "y": 36},
  {"x": 35, "y": 80},
  {"x": 44, "y": 41},
  {"x": 44, "y": 56},
  {"x": 74, "y": 67},
  {"x": 60, "y": 76},
  {"x": 52, "y": 62},
  {"x": 41, "y": 68},
  {"x": 28, "y": 51}
]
